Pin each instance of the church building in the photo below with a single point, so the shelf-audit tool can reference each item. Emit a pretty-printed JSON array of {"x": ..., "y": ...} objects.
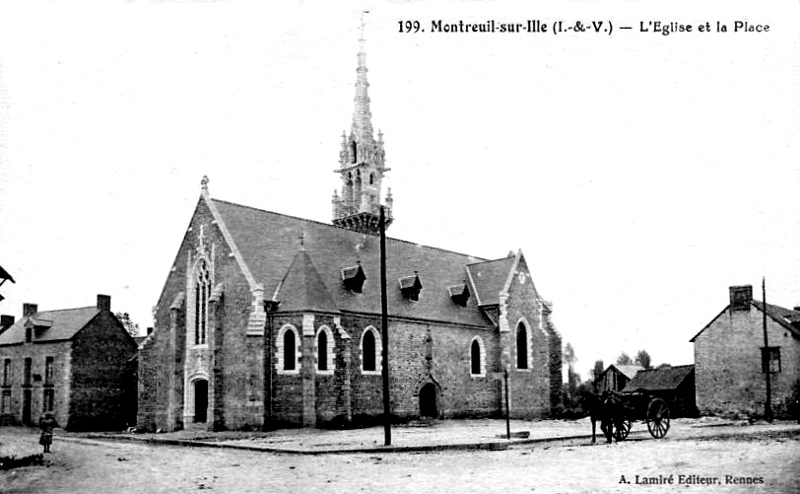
[{"x": 268, "y": 320}]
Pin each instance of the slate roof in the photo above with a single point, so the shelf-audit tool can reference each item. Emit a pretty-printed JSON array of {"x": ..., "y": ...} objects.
[
  {"x": 784, "y": 317},
  {"x": 303, "y": 289},
  {"x": 490, "y": 278},
  {"x": 269, "y": 244},
  {"x": 64, "y": 324},
  {"x": 666, "y": 379}
]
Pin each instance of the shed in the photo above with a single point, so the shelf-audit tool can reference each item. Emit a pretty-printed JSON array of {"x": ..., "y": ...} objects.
[{"x": 675, "y": 385}]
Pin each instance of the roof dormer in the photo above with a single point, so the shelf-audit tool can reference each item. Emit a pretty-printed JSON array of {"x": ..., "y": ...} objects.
[
  {"x": 410, "y": 286},
  {"x": 459, "y": 294},
  {"x": 353, "y": 278}
]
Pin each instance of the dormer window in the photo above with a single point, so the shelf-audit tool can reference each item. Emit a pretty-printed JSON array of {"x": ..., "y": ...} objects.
[
  {"x": 410, "y": 287},
  {"x": 353, "y": 278},
  {"x": 459, "y": 294}
]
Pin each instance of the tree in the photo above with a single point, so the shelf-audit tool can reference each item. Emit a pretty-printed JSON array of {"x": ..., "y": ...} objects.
[
  {"x": 643, "y": 360},
  {"x": 624, "y": 359},
  {"x": 572, "y": 377},
  {"x": 664, "y": 366},
  {"x": 597, "y": 371},
  {"x": 131, "y": 327}
]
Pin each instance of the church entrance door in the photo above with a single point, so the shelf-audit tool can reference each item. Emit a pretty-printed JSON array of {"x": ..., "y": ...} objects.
[
  {"x": 427, "y": 401},
  {"x": 200, "y": 400}
]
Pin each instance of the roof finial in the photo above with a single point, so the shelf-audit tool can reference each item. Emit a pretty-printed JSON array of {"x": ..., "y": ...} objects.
[
  {"x": 204, "y": 183},
  {"x": 363, "y": 23},
  {"x": 302, "y": 240}
]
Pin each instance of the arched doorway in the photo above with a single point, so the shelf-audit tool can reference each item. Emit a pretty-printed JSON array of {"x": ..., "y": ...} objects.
[
  {"x": 427, "y": 401},
  {"x": 200, "y": 400}
]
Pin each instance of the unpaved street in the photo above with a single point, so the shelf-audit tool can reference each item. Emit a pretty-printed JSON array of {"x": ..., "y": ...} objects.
[{"x": 88, "y": 466}]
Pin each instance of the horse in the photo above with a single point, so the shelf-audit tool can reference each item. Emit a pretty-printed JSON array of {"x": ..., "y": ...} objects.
[{"x": 595, "y": 406}]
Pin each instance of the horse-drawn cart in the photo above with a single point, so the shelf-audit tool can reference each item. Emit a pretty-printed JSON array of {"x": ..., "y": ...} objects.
[{"x": 629, "y": 407}]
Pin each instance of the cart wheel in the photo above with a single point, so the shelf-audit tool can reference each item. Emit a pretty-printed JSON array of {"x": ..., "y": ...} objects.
[
  {"x": 658, "y": 418},
  {"x": 623, "y": 430}
]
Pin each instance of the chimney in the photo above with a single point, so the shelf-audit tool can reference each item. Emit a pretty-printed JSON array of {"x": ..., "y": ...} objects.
[
  {"x": 29, "y": 309},
  {"x": 741, "y": 296},
  {"x": 149, "y": 331},
  {"x": 6, "y": 322},
  {"x": 104, "y": 302}
]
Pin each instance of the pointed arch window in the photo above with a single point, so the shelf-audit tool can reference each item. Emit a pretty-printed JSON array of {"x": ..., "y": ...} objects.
[
  {"x": 288, "y": 350},
  {"x": 522, "y": 346},
  {"x": 477, "y": 357},
  {"x": 353, "y": 150},
  {"x": 325, "y": 353},
  {"x": 370, "y": 351},
  {"x": 202, "y": 292}
]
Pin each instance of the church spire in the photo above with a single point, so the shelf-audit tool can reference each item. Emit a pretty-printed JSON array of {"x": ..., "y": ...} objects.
[
  {"x": 362, "y": 118},
  {"x": 361, "y": 162}
]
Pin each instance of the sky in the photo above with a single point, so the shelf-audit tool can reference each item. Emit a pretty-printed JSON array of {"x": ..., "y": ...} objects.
[{"x": 641, "y": 174}]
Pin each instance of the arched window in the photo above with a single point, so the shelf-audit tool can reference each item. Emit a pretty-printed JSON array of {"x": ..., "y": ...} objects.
[
  {"x": 202, "y": 291},
  {"x": 288, "y": 350},
  {"x": 370, "y": 351},
  {"x": 325, "y": 342},
  {"x": 371, "y": 178},
  {"x": 353, "y": 149},
  {"x": 522, "y": 346},
  {"x": 477, "y": 357}
]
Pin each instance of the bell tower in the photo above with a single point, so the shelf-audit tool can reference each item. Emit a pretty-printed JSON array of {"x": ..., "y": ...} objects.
[{"x": 361, "y": 164}]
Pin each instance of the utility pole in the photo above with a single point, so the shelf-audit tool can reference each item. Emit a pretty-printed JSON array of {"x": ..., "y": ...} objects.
[
  {"x": 387, "y": 416},
  {"x": 766, "y": 355}
]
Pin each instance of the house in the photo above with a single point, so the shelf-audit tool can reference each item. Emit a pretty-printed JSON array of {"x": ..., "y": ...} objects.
[
  {"x": 732, "y": 359},
  {"x": 616, "y": 377},
  {"x": 675, "y": 385},
  {"x": 268, "y": 320},
  {"x": 70, "y": 362}
]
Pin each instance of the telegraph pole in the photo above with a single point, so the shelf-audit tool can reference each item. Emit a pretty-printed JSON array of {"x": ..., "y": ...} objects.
[
  {"x": 387, "y": 416},
  {"x": 766, "y": 357}
]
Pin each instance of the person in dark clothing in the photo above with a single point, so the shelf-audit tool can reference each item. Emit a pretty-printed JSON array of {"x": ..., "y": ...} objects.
[{"x": 46, "y": 424}]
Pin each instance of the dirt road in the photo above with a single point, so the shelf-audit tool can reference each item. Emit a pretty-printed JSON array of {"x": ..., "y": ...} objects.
[{"x": 764, "y": 463}]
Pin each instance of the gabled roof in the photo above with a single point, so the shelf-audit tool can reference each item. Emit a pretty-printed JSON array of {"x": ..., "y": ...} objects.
[
  {"x": 666, "y": 379},
  {"x": 489, "y": 279},
  {"x": 268, "y": 243},
  {"x": 303, "y": 289},
  {"x": 628, "y": 371},
  {"x": 64, "y": 325},
  {"x": 784, "y": 317}
]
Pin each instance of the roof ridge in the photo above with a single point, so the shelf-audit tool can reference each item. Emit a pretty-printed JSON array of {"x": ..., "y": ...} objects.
[
  {"x": 356, "y": 233},
  {"x": 63, "y": 310}
]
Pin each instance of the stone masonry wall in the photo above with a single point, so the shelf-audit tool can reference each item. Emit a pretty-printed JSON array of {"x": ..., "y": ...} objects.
[
  {"x": 100, "y": 385},
  {"x": 727, "y": 359},
  {"x": 38, "y": 353}
]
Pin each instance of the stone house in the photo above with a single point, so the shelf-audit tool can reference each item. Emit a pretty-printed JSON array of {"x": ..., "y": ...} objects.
[
  {"x": 616, "y": 377},
  {"x": 268, "y": 320},
  {"x": 731, "y": 360},
  {"x": 70, "y": 362}
]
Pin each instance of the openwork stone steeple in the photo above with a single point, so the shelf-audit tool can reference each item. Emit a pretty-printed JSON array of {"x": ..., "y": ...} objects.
[{"x": 361, "y": 165}]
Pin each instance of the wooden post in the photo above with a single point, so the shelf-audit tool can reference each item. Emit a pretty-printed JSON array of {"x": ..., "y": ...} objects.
[{"x": 508, "y": 413}]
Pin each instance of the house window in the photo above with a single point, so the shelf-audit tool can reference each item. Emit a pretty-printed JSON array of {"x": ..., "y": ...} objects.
[
  {"x": 27, "y": 374},
  {"x": 370, "y": 351},
  {"x": 6, "y": 405},
  {"x": 28, "y": 334},
  {"x": 771, "y": 359},
  {"x": 202, "y": 292},
  {"x": 477, "y": 356},
  {"x": 48, "y": 371},
  {"x": 325, "y": 363},
  {"x": 7, "y": 372},
  {"x": 522, "y": 346},
  {"x": 288, "y": 343},
  {"x": 48, "y": 399}
]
